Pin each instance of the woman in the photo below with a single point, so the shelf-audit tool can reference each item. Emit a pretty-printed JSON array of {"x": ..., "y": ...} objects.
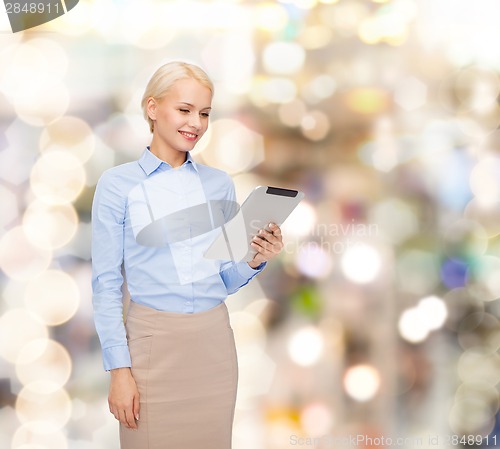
[{"x": 173, "y": 364}]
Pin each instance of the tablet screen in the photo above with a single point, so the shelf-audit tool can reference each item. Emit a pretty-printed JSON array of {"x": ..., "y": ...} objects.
[{"x": 264, "y": 205}]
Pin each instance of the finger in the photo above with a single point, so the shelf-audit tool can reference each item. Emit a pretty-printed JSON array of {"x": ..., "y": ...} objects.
[
  {"x": 266, "y": 235},
  {"x": 275, "y": 237},
  {"x": 258, "y": 258},
  {"x": 270, "y": 243},
  {"x": 261, "y": 244},
  {"x": 137, "y": 407},
  {"x": 263, "y": 254},
  {"x": 115, "y": 413},
  {"x": 122, "y": 418},
  {"x": 275, "y": 229},
  {"x": 129, "y": 418}
]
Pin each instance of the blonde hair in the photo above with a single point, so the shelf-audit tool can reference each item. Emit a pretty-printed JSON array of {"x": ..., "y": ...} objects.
[{"x": 165, "y": 77}]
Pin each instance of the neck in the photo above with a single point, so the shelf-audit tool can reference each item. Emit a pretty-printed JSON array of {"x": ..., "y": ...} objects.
[{"x": 172, "y": 157}]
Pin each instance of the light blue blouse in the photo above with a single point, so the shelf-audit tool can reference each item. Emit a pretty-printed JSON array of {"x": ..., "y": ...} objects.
[{"x": 152, "y": 223}]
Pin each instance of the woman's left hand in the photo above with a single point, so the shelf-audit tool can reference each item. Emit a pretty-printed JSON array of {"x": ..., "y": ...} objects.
[{"x": 268, "y": 244}]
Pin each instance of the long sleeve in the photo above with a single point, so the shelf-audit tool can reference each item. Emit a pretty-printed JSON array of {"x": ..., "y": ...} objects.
[
  {"x": 108, "y": 215},
  {"x": 236, "y": 275}
]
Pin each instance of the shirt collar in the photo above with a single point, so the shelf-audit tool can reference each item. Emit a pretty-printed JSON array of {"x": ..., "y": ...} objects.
[
  {"x": 189, "y": 159},
  {"x": 149, "y": 162}
]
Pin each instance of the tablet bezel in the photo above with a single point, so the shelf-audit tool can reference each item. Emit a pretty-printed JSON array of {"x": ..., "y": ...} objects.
[{"x": 263, "y": 205}]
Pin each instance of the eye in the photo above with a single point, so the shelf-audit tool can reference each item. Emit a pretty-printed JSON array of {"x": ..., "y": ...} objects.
[
  {"x": 205, "y": 114},
  {"x": 184, "y": 111}
]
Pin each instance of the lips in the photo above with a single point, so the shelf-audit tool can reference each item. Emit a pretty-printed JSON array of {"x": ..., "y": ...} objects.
[{"x": 189, "y": 136}]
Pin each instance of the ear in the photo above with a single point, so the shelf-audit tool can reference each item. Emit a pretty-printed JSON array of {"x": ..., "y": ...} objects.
[{"x": 151, "y": 108}]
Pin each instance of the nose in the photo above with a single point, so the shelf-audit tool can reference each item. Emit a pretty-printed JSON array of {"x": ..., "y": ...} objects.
[{"x": 195, "y": 121}]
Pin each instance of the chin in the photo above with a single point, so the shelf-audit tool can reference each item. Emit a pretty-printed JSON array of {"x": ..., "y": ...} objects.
[{"x": 189, "y": 147}]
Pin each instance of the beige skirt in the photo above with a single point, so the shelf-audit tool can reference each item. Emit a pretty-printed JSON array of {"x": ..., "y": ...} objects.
[{"x": 186, "y": 369}]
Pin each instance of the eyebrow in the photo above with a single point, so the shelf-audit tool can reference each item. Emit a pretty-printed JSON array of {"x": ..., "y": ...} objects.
[{"x": 192, "y": 105}]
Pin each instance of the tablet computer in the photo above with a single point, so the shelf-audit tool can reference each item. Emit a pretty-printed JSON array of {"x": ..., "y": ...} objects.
[{"x": 264, "y": 205}]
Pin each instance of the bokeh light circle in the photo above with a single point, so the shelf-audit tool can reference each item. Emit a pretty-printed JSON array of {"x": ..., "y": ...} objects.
[
  {"x": 18, "y": 327},
  {"x": 233, "y": 147},
  {"x": 465, "y": 239},
  {"x": 367, "y": 100},
  {"x": 248, "y": 329},
  {"x": 273, "y": 90},
  {"x": 434, "y": 310},
  {"x": 53, "y": 297},
  {"x": 69, "y": 134},
  {"x": 362, "y": 382},
  {"x": 485, "y": 273},
  {"x": 244, "y": 184},
  {"x": 270, "y": 16},
  {"x": 486, "y": 215},
  {"x": 42, "y": 57},
  {"x": 315, "y": 36},
  {"x": 361, "y": 263},
  {"x": 471, "y": 88},
  {"x": 57, "y": 178},
  {"x": 50, "y": 226},
  {"x": 313, "y": 260},
  {"x": 413, "y": 325},
  {"x": 77, "y": 24},
  {"x": 300, "y": 222},
  {"x": 44, "y": 360},
  {"x": 488, "y": 394},
  {"x": 479, "y": 365},
  {"x": 38, "y": 435},
  {"x": 315, "y": 125},
  {"x": 143, "y": 25},
  {"x": 316, "y": 419},
  {"x": 305, "y": 346},
  {"x": 44, "y": 106},
  {"x": 485, "y": 181},
  {"x": 471, "y": 416},
  {"x": 20, "y": 259},
  {"x": 283, "y": 58},
  {"x": 476, "y": 324},
  {"x": 44, "y": 400},
  {"x": 57, "y": 60}
]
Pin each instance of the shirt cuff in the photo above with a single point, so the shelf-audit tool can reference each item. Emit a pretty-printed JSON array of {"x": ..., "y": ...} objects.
[
  {"x": 116, "y": 357},
  {"x": 246, "y": 271}
]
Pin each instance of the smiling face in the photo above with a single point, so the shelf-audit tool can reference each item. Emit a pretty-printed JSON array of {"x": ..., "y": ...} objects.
[{"x": 180, "y": 118}]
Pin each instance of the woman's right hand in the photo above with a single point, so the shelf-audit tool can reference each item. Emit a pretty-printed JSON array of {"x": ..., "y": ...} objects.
[{"x": 123, "y": 397}]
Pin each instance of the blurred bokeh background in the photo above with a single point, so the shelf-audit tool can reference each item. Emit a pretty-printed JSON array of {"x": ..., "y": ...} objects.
[{"x": 378, "y": 324}]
